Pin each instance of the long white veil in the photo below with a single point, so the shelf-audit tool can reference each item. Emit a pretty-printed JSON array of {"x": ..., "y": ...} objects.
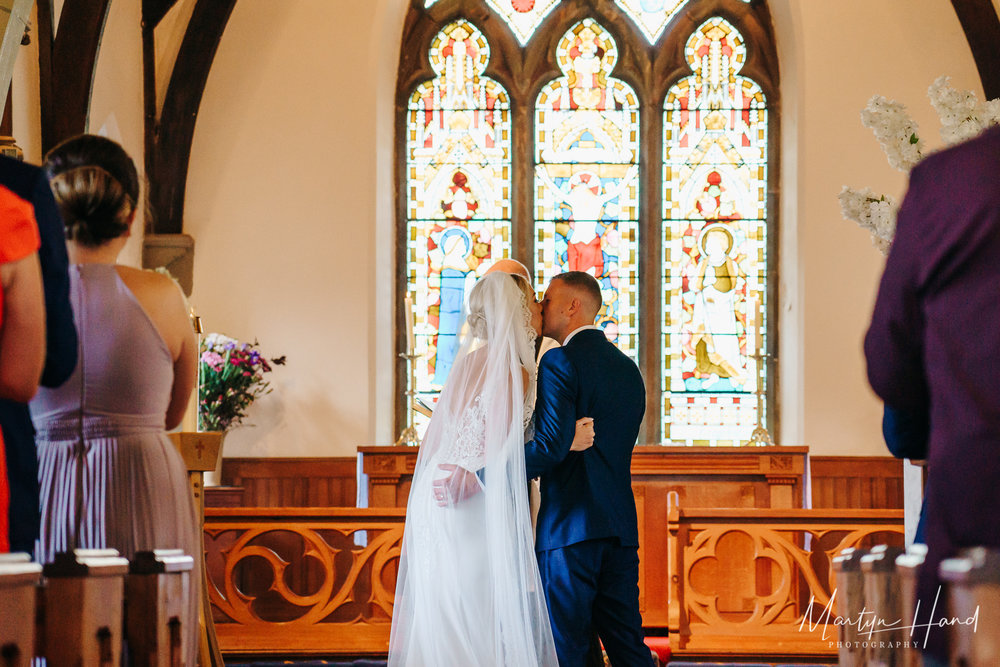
[{"x": 468, "y": 591}]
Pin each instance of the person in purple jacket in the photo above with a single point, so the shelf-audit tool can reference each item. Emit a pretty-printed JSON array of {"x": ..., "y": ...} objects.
[{"x": 934, "y": 347}]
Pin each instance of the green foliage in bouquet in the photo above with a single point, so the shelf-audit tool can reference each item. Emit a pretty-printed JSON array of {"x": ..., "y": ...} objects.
[{"x": 230, "y": 379}]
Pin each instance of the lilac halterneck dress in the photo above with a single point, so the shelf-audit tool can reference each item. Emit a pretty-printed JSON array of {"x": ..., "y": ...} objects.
[{"x": 109, "y": 476}]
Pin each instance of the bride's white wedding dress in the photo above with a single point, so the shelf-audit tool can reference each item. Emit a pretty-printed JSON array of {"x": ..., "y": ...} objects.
[{"x": 468, "y": 591}]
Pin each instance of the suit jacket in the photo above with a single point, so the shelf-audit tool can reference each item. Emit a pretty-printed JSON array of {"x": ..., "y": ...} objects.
[
  {"x": 586, "y": 495},
  {"x": 31, "y": 184},
  {"x": 934, "y": 345}
]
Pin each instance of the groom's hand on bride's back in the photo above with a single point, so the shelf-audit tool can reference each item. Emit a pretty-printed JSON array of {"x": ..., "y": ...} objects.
[
  {"x": 458, "y": 485},
  {"x": 584, "y": 436}
]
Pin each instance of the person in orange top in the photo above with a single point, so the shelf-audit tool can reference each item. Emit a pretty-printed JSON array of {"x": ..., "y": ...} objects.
[{"x": 22, "y": 318}]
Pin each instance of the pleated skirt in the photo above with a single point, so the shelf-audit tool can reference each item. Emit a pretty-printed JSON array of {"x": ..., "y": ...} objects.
[{"x": 128, "y": 492}]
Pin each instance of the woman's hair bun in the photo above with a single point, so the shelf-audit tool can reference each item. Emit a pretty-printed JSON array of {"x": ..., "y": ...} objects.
[{"x": 95, "y": 185}]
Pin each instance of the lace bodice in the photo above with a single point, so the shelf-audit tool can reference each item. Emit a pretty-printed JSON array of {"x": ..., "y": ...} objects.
[{"x": 467, "y": 448}]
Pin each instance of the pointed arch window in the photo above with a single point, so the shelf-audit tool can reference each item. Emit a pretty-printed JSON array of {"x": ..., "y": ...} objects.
[
  {"x": 457, "y": 192},
  {"x": 586, "y": 177},
  {"x": 715, "y": 243},
  {"x": 614, "y": 138}
]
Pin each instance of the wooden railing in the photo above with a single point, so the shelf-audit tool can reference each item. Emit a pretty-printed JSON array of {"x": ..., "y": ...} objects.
[
  {"x": 759, "y": 582},
  {"x": 302, "y": 581},
  {"x": 321, "y": 581}
]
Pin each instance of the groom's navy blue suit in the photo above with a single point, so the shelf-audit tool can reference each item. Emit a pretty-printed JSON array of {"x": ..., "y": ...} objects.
[{"x": 587, "y": 540}]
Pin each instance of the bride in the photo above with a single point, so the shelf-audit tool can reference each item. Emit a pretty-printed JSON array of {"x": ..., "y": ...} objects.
[{"x": 468, "y": 591}]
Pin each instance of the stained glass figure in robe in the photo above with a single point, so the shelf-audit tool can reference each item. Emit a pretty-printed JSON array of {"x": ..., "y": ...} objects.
[
  {"x": 715, "y": 243},
  {"x": 458, "y": 192},
  {"x": 586, "y": 185}
]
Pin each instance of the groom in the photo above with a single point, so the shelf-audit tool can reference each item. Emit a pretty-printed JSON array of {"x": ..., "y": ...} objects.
[{"x": 587, "y": 539}]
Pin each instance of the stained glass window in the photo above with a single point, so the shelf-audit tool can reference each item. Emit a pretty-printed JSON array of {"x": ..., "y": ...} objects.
[
  {"x": 523, "y": 16},
  {"x": 714, "y": 244},
  {"x": 586, "y": 178},
  {"x": 458, "y": 193},
  {"x": 554, "y": 127},
  {"x": 652, "y": 16}
]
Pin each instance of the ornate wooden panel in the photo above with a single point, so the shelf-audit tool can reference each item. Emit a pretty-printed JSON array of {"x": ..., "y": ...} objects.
[
  {"x": 856, "y": 482},
  {"x": 302, "y": 581},
  {"x": 737, "y": 582},
  {"x": 756, "y": 582},
  {"x": 293, "y": 482}
]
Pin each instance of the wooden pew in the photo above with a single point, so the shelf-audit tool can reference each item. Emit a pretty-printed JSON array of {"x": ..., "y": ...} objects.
[
  {"x": 157, "y": 608},
  {"x": 19, "y": 579},
  {"x": 973, "y": 581},
  {"x": 83, "y": 596},
  {"x": 758, "y": 583},
  {"x": 883, "y": 626},
  {"x": 908, "y": 568},
  {"x": 850, "y": 596}
]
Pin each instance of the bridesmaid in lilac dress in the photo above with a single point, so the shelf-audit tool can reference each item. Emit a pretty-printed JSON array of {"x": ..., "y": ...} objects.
[{"x": 110, "y": 477}]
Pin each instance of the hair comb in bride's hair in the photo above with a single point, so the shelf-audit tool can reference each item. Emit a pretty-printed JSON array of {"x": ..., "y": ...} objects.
[{"x": 477, "y": 322}]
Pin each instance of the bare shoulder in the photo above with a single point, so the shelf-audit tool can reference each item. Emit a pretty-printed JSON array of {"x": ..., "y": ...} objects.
[
  {"x": 147, "y": 280},
  {"x": 161, "y": 297}
]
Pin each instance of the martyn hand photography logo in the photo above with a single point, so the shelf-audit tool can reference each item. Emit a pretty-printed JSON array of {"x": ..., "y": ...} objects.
[{"x": 869, "y": 624}]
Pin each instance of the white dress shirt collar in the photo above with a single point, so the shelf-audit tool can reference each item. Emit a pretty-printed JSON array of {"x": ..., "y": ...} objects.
[{"x": 576, "y": 331}]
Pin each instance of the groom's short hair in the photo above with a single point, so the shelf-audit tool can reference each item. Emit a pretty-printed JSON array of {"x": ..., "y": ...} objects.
[{"x": 584, "y": 283}]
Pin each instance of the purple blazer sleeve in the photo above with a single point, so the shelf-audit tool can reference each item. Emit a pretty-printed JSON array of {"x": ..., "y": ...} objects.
[{"x": 893, "y": 345}]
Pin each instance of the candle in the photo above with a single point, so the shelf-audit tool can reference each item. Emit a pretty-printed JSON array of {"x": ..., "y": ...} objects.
[
  {"x": 753, "y": 326},
  {"x": 408, "y": 308},
  {"x": 758, "y": 319}
]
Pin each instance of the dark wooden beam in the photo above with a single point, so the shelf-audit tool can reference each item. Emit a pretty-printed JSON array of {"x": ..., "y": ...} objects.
[
  {"x": 153, "y": 11},
  {"x": 7, "y": 124},
  {"x": 67, "y": 64},
  {"x": 172, "y": 133},
  {"x": 982, "y": 30}
]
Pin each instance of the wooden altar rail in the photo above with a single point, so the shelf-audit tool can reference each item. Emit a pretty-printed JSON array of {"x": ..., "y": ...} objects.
[
  {"x": 743, "y": 580},
  {"x": 851, "y": 482},
  {"x": 321, "y": 581},
  {"x": 302, "y": 581}
]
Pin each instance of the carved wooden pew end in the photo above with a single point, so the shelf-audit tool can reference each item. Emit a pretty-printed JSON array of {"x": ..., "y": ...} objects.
[
  {"x": 83, "y": 607},
  {"x": 157, "y": 607},
  {"x": 908, "y": 568},
  {"x": 882, "y": 599},
  {"x": 850, "y": 600},
  {"x": 19, "y": 579},
  {"x": 974, "y": 600}
]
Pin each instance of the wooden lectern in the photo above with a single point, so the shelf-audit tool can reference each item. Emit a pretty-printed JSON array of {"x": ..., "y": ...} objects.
[{"x": 201, "y": 452}]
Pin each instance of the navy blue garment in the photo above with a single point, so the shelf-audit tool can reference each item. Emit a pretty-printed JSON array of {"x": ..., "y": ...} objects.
[
  {"x": 906, "y": 433},
  {"x": 31, "y": 184},
  {"x": 587, "y": 539}
]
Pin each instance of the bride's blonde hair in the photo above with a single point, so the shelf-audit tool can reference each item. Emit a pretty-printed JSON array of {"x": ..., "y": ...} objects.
[{"x": 477, "y": 307}]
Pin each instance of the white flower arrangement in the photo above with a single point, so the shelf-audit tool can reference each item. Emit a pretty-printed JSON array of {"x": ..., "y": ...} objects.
[{"x": 962, "y": 116}]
